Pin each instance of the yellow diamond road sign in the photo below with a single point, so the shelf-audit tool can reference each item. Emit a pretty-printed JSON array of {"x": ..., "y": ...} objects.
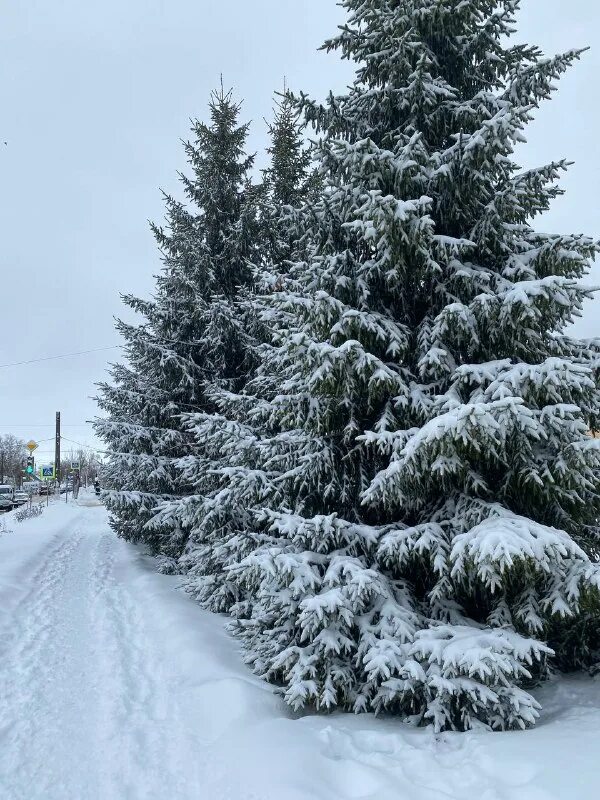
[{"x": 31, "y": 445}]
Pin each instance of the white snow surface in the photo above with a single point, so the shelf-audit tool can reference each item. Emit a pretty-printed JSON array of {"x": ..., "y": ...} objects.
[{"x": 115, "y": 686}]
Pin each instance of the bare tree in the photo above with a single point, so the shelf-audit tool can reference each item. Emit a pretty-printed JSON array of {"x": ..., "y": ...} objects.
[
  {"x": 12, "y": 455},
  {"x": 88, "y": 462}
]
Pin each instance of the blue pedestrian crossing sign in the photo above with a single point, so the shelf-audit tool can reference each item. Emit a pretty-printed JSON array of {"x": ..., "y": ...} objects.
[{"x": 47, "y": 472}]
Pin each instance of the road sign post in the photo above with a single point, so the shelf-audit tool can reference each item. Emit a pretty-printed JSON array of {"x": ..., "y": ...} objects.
[{"x": 47, "y": 473}]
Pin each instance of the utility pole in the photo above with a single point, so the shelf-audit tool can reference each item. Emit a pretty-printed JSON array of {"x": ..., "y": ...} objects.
[
  {"x": 2, "y": 467},
  {"x": 57, "y": 450}
]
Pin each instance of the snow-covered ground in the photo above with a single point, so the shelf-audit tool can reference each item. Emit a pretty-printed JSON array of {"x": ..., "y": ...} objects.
[{"x": 115, "y": 686}]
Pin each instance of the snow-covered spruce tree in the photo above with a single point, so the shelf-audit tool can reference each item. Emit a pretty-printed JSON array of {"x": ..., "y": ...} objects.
[
  {"x": 191, "y": 334},
  {"x": 428, "y": 491},
  {"x": 290, "y": 181},
  {"x": 218, "y": 512}
]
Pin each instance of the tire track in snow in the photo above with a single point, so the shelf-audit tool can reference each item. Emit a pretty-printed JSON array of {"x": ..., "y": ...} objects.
[
  {"x": 133, "y": 692},
  {"x": 45, "y": 675}
]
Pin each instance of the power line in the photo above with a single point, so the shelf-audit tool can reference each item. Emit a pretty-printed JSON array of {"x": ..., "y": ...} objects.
[
  {"x": 62, "y": 355},
  {"x": 43, "y": 425},
  {"x": 88, "y": 446}
]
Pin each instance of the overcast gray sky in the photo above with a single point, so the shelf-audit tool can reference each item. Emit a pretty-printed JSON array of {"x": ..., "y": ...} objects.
[{"x": 95, "y": 97}]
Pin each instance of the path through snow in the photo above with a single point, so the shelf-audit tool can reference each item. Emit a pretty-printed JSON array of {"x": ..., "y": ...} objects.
[{"x": 115, "y": 686}]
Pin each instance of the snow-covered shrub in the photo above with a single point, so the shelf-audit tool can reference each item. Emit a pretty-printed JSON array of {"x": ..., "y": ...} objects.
[
  {"x": 457, "y": 675},
  {"x": 29, "y": 511}
]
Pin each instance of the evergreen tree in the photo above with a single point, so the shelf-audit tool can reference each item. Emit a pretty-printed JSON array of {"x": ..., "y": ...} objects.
[
  {"x": 218, "y": 514},
  {"x": 290, "y": 179},
  {"x": 413, "y": 450},
  {"x": 191, "y": 334}
]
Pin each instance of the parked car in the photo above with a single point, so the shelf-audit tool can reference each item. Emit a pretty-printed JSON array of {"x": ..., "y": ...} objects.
[
  {"x": 20, "y": 498},
  {"x": 7, "y": 491},
  {"x": 45, "y": 489},
  {"x": 5, "y": 504}
]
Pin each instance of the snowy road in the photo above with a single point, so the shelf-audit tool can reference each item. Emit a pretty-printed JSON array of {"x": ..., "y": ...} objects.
[{"x": 115, "y": 686}]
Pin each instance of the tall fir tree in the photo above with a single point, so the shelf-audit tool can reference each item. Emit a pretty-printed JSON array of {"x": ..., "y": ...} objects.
[
  {"x": 290, "y": 180},
  {"x": 216, "y": 513},
  {"x": 190, "y": 335},
  {"x": 413, "y": 450}
]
